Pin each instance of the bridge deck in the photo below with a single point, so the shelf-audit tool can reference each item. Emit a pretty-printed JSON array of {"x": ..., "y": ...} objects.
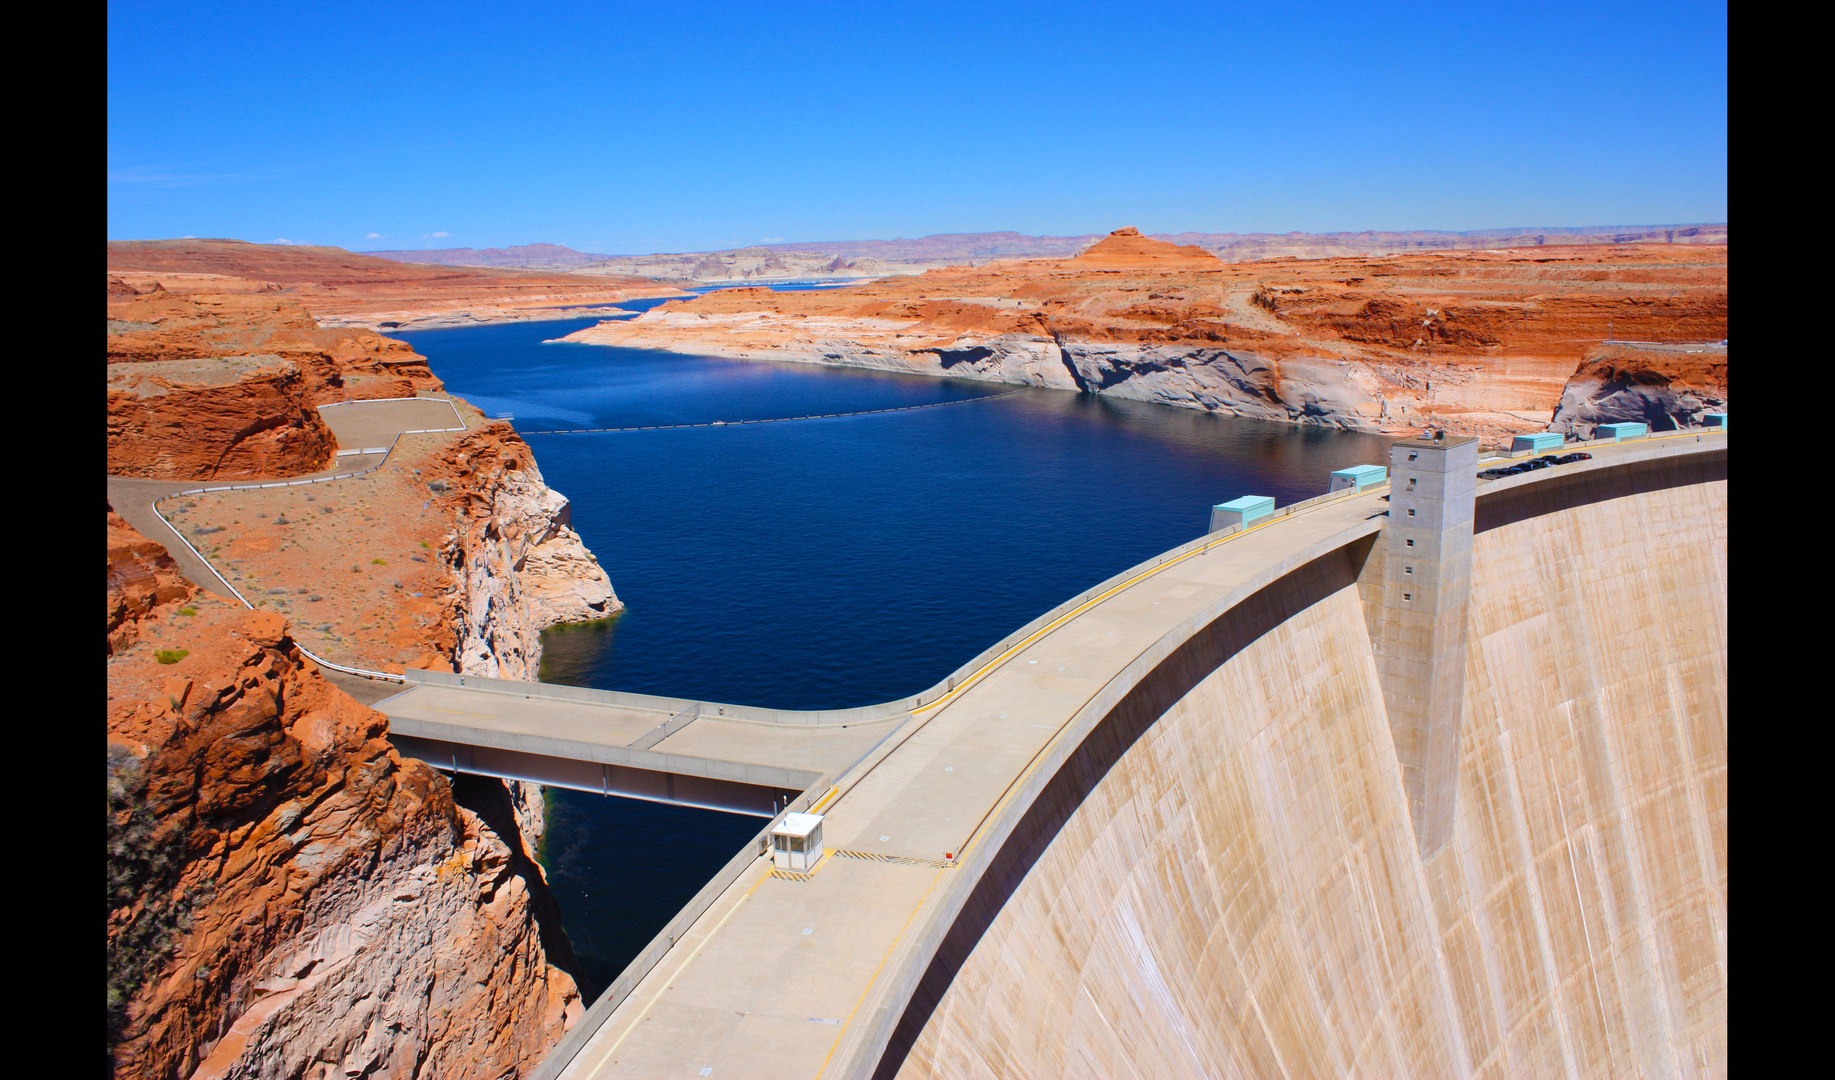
[
  {"x": 530, "y": 730},
  {"x": 787, "y": 977}
]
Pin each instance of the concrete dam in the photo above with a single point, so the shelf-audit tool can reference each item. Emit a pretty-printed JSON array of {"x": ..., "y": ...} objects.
[{"x": 1425, "y": 780}]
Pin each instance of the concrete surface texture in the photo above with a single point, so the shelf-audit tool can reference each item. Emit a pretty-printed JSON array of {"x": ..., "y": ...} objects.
[
  {"x": 1241, "y": 893},
  {"x": 1169, "y": 834},
  {"x": 1418, "y": 620}
]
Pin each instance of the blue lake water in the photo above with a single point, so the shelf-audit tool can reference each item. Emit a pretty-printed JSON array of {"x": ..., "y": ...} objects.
[{"x": 825, "y": 563}]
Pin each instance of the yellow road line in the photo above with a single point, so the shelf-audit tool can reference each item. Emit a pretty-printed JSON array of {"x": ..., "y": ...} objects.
[
  {"x": 1085, "y": 606},
  {"x": 1030, "y": 765},
  {"x": 873, "y": 978},
  {"x": 683, "y": 966},
  {"x": 990, "y": 666}
]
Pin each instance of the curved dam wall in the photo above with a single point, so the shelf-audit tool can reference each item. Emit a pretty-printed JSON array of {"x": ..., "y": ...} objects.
[{"x": 1223, "y": 879}]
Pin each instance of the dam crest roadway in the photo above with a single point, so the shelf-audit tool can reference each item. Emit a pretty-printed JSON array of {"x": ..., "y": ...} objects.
[{"x": 1016, "y": 857}]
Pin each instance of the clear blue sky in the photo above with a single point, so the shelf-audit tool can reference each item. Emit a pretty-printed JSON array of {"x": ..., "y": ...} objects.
[{"x": 679, "y": 127}]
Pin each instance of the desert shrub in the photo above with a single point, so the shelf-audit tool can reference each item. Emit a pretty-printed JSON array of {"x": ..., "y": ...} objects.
[{"x": 171, "y": 656}]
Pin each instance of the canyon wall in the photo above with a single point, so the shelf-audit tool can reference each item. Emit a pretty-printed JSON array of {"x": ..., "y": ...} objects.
[
  {"x": 287, "y": 896},
  {"x": 221, "y": 386},
  {"x": 517, "y": 566},
  {"x": 1479, "y": 343},
  {"x": 235, "y": 417},
  {"x": 1240, "y": 891},
  {"x": 1665, "y": 388}
]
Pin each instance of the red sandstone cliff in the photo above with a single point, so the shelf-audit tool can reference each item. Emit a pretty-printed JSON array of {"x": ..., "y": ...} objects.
[
  {"x": 288, "y": 896},
  {"x": 141, "y": 577},
  {"x": 223, "y": 386},
  {"x": 1667, "y": 388},
  {"x": 216, "y": 418},
  {"x": 337, "y": 364}
]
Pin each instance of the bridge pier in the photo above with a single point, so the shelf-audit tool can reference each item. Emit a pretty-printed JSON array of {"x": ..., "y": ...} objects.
[{"x": 1416, "y": 598}]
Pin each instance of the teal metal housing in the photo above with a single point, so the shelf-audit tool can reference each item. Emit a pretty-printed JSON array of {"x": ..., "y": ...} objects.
[
  {"x": 1243, "y": 511},
  {"x": 1621, "y": 432},
  {"x": 1715, "y": 420},
  {"x": 1537, "y": 441},
  {"x": 1359, "y": 477}
]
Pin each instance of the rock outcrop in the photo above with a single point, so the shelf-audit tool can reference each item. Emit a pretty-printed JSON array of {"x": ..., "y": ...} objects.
[
  {"x": 287, "y": 896},
  {"x": 217, "y": 418},
  {"x": 218, "y": 386},
  {"x": 337, "y": 364},
  {"x": 1665, "y": 388},
  {"x": 141, "y": 577},
  {"x": 518, "y": 567}
]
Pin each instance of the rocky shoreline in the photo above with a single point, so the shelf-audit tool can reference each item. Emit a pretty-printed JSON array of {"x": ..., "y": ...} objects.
[{"x": 1480, "y": 343}]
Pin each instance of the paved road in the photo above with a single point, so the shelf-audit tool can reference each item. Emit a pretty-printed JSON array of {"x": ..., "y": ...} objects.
[{"x": 360, "y": 424}]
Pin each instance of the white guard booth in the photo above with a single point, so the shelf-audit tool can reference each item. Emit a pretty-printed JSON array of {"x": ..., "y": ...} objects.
[{"x": 797, "y": 843}]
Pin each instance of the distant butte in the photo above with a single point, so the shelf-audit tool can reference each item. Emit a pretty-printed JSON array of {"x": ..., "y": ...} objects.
[{"x": 1127, "y": 247}]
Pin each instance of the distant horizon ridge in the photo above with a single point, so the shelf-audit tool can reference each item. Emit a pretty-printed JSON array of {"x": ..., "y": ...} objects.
[{"x": 798, "y": 245}]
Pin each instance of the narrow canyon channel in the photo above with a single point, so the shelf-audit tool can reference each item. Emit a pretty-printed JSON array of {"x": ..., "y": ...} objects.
[{"x": 823, "y": 563}]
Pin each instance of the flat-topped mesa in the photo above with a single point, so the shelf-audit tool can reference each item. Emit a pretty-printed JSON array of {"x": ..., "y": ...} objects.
[{"x": 1126, "y": 247}]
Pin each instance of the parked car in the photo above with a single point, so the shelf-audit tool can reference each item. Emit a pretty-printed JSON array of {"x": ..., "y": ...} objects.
[
  {"x": 1498, "y": 474},
  {"x": 1569, "y": 459}
]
